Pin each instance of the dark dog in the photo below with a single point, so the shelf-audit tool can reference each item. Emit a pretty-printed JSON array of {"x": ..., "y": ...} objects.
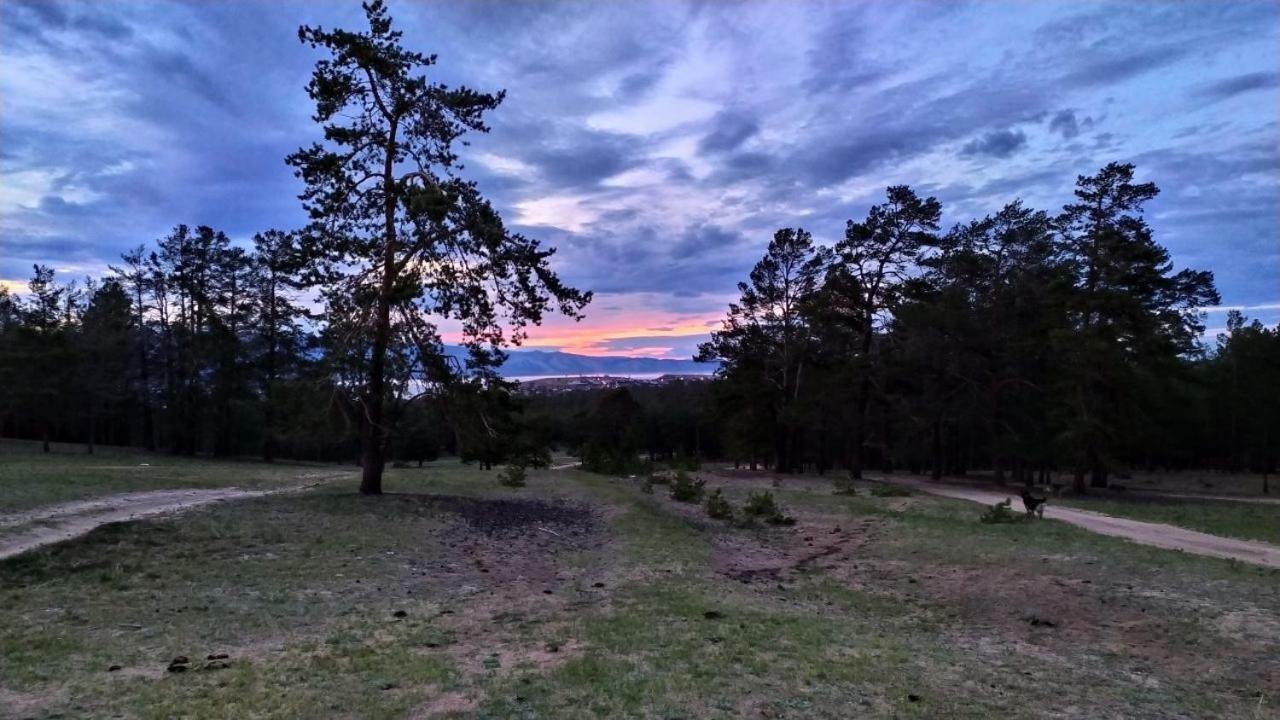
[{"x": 1033, "y": 503}]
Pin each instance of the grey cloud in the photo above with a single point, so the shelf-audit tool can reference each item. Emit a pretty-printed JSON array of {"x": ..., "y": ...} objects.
[
  {"x": 106, "y": 25},
  {"x": 38, "y": 18},
  {"x": 42, "y": 11},
  {"x": 583, "y": 165},
  {"x": 1108, "y": 70},
  {"x": 181, "y": 70},
  {"x": 700, "y": 241},
  {"x": 1065, "y": 124},
  {"x": 730, "y": 130},
  {"x": 1231, "y": 87},
  {"x": 997, "y": 143},
  {"x": 639, "y": 83}
]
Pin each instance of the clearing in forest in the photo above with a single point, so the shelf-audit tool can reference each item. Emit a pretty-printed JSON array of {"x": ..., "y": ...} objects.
[{"x": 584, "y": 596}]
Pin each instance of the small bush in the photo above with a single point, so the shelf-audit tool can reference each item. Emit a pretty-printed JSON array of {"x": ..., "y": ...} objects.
[
  {"x": 512, "y": 476},
  {"x": 887, "y": 490},
  {"x": 762, "y": 506},
  {"x": 718, "y": 506},
  {"x": 1002, "y": 512},
  {"x": 687, "y": 489}
]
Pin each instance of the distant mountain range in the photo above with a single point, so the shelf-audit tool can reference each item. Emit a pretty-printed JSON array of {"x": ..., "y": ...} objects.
[{"x": 524, "y": 363}]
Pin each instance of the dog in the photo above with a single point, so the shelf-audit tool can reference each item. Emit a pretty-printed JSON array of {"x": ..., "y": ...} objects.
[{"x": 1033, "y": 503}]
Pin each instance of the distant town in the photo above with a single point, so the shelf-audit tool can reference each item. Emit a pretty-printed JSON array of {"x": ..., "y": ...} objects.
[{"x": 556, "y": 385}]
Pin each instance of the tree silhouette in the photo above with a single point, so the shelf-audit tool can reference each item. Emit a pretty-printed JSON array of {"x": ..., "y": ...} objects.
[{"x": 393, "y": 230}]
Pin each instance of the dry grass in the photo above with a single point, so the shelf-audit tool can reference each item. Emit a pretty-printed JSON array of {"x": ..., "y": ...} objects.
[{"x": 602, "y": 601}]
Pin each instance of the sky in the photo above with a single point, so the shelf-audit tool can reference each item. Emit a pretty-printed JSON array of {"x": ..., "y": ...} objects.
[{"x": 658, "y": 145}]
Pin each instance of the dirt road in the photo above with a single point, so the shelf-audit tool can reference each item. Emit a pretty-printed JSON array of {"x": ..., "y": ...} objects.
[
  {"x": 28, "y": 530},
  {"x": 1159, "y": 535}
]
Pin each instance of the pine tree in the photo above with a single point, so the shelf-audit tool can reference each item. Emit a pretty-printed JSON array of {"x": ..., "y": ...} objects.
[
  {"x": 877, "y": 255},
  {"x": 394, "y": 232},
  {"x": 1129, "y": 311}
]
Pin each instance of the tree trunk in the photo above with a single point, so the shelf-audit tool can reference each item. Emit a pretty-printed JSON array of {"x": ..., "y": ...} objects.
[
  {"x": 863, "y": 402},
  {"x": 936, "y": 471},
  {"x": 144, "y": 372},
  {"x": 374, "y": 439},
  {"x": 92, "y": 424},
  {"x": 269, "y": 412},
  {"x": 886, "y": 455},
  {"x": 1097, "y": 469},
  {"x": 859, "y": 428}
]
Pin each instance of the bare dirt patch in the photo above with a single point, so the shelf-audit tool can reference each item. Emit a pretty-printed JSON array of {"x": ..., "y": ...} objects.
[
  {"x": 779, "y": 555},
  {"x": 444, "y": 704},
  {"x": 26, "y": 704},
  {"x": 511, "y": 571}
]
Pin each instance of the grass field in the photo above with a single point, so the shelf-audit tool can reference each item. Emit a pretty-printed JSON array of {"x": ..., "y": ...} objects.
[{"x": 581, "y": 596}]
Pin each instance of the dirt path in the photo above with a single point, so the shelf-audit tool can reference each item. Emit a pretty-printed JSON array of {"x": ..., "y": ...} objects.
[
  {"x": 1159, "y": 535},
  {"x": 31, "y": 529}
]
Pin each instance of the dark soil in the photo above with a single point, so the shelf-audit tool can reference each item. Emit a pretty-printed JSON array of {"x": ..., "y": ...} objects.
[{"x": 509, "y": 516}]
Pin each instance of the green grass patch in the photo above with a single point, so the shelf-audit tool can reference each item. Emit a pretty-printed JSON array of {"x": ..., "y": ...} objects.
[{"x": 30, "y": 479}]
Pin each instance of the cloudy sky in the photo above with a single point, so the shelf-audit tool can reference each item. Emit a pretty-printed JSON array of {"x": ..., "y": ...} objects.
[{"x": 659, "y": 145}]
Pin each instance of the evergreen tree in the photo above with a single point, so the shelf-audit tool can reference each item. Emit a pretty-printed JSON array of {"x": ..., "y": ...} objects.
[
  {"x": 876, "y": 256},
  {"x": 393, "y": 228},
  {"x": 1129, "y": 311},
  {"x": 765, "y": 338},
  {"x": 105, "y": 350}
]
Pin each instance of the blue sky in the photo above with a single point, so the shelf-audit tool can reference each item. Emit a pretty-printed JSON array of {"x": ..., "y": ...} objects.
[{"x": 659, "y": 145}]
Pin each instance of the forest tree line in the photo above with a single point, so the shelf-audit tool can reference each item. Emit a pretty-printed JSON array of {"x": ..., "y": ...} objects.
[
  {"x": 1019, "y": 343},
  {"x": 1023, "y": 342}
]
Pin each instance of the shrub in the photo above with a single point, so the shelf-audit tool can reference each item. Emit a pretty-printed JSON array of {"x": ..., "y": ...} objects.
[
  {"x": 1002, "y": 512},
  {"x": 887, "y": 490},
  {"x": 762, "y": 506},
  {"x": 718, "y": 506},
  {"x": 512, "y": 476},
  {"x": 687, "y": 489}
]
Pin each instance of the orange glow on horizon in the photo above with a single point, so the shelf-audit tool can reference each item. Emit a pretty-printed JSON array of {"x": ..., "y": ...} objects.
[
  {"x": 591, "y": 338},
  {"x": 648, "y": 328}
]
